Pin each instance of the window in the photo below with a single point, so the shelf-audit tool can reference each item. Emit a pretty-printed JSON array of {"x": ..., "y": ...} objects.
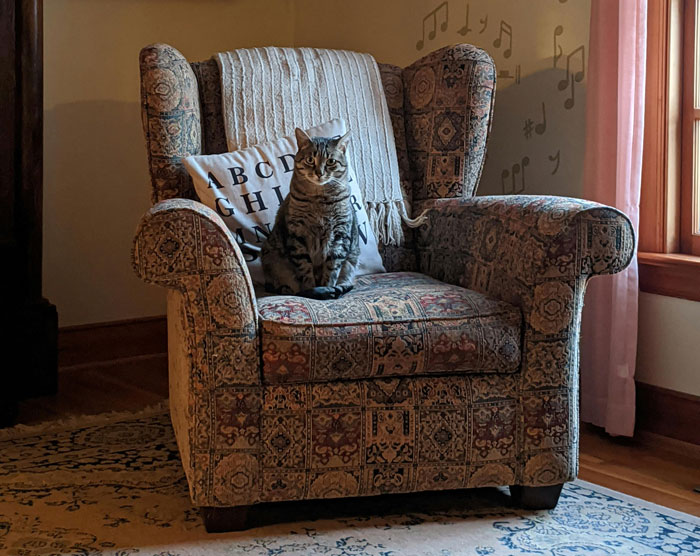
[{"x": 669, "y": 234}]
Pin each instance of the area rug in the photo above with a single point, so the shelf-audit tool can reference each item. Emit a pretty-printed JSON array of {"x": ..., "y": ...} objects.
[{"x": 113, "y": 484}]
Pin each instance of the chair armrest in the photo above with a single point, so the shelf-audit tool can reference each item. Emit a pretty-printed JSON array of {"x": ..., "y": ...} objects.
[
  {"x": 537, "y": 253},
  {"x": 183, "y": 245},
  {"x": 494, "y": 244}
]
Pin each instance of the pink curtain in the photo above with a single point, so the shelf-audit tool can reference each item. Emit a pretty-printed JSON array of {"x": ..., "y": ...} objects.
[{"x": 612, "y": 175}]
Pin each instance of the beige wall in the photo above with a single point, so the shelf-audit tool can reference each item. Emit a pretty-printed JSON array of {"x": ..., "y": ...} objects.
[
  {"x": 668, "y": 353},
  {"x": 95, "y": 177}
]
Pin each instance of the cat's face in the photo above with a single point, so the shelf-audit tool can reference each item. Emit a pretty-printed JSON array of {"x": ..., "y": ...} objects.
[{"x": 322, "y": 160}]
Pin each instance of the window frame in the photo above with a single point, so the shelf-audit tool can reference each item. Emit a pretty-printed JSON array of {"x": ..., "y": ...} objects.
[
  {"x": 667, "y": 265},
  {"x": 690, "y": 241}
]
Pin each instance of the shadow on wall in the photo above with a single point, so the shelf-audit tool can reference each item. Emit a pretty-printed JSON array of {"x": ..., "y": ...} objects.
[
  {"x": 96, "y": 184},
  {"x": 537, "y": 142}
]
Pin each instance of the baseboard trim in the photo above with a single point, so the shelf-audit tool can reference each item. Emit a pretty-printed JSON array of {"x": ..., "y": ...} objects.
[
  {"x": 668, "y": 413},
  {"x": 109, "y": 341}
]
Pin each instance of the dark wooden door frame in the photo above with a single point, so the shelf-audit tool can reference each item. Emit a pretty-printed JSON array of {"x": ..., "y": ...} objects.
[{"x": 28, "y": 321}]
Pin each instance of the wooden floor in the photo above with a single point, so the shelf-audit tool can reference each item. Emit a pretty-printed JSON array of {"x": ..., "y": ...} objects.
[{"x": 654, "y": 468}]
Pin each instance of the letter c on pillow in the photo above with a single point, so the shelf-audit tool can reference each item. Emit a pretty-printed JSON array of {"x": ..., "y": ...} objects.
[{"x": 259, "y": 172}]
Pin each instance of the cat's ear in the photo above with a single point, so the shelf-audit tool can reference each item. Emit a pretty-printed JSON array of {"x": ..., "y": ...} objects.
[
  {"x": 343, "y": 141},
  {"x": 303, "y": 138}
]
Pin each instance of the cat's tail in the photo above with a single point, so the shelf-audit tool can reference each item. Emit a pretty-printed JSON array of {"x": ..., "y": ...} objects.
[{"x": 416, "y": 222}]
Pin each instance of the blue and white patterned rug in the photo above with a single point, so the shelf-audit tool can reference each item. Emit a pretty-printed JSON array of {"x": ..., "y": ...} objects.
[{"x": 113, "y": 485}]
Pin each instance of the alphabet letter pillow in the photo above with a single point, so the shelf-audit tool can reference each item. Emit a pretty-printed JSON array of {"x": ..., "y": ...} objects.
[{"x": 246, "y": 187}]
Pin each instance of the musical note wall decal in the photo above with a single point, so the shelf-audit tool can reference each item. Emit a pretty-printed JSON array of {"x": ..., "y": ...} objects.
[
  {"x": 507, "y": 30},
  {"x": 554, "y": 158},
  {"x": 505, "y": 74},
  {"x": 580, "y": 74},
  {"x": 466, "y": 29},
  {"x": 571, "y": 101},
  {"x": 433, "y": 16},
  {"x": 558, "y": 31},
  {"x": 484, "y": 22},
  {"x": 541, "y": 127},
  {"x": 512, "y": 173},
  {"x": 573, "y": 77},
  {"x": 546, "y": 110}
]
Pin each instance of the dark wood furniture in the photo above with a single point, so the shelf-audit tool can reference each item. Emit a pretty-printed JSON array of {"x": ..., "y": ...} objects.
[{"x": 28, "y": 321}]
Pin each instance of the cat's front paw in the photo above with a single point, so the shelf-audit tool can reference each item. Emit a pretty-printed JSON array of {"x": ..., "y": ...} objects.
[
  {"x": 343, "y": 289},
  {"x": 325, "y": 292}
]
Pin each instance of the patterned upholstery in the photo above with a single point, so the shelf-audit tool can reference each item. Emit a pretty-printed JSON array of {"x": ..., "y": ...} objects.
[
  {"x": 171, "y": 120},
  {"x": 399, "y": 324},
  {"x": 448, "y": 105},
  {"x": 537, "y": 253},
  {"x": 248, "y": 434}
]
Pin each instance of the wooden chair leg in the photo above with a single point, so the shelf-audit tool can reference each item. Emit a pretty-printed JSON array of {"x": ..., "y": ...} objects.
[
  {"x": 535, "y": 498},
  {"x": 223, "y": 520}
]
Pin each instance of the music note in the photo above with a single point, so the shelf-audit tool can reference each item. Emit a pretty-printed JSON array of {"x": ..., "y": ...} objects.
[
  {"x": 579, "y": 75},
  {"x": 569, "y": 102},
  {"x": 558, "y": 31},
  {"x": 466, "y": 29},
  {"x": 552, "y": 159},
  {"x": 505, "y": 74},
  {"x": 571, "y": 77},
  {"x": 515, "y": 170},
  {"x": 434, "y": 16},
  {"x": 484, "y": 22},
  {"x": 507, "y": 30},
  {"x": 542, "y": 126},
  {"x": 524, "y": 162},
  {"x": 504, "y": 176}
]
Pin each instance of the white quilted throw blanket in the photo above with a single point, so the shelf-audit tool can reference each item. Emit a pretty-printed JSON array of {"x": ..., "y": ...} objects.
[{"x": 267, "y": 92}]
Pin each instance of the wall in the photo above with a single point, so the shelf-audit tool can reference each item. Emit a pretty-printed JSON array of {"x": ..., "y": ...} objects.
[
  {"x": 96, "y": 183},
  {"x": 669, "y": 333},
  {"x": 524, "y": 154}
]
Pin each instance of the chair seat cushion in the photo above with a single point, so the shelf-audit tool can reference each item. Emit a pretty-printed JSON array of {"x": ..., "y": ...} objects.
[{"x": 393, "y": 324}]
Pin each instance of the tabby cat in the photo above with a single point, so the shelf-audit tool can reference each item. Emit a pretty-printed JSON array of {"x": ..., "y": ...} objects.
[{"x": 313, "y": 248}]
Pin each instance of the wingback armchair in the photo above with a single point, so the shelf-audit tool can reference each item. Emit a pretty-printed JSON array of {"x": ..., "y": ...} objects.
[{"x": 457, "y": 368}]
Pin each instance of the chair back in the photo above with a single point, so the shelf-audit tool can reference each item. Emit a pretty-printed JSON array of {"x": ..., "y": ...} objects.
[{"x": 182, "y": 116}]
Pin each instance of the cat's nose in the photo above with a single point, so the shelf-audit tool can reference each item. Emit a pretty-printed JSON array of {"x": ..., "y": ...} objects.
[{"x": 318, "y": 172}]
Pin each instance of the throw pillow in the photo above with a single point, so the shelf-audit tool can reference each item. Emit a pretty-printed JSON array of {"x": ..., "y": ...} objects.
[{"x": 246, "y": 187}]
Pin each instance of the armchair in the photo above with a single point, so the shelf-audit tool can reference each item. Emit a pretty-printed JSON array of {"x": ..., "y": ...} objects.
[{"x": 458, "y": 368}]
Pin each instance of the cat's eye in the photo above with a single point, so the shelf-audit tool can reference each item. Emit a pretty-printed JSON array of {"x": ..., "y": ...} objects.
[
  {"x": 309, "y": 160},
  {"x": 331, "y": 162}
]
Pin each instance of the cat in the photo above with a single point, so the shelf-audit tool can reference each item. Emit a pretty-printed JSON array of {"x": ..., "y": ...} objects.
[{"x": 313, "y": 248}]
